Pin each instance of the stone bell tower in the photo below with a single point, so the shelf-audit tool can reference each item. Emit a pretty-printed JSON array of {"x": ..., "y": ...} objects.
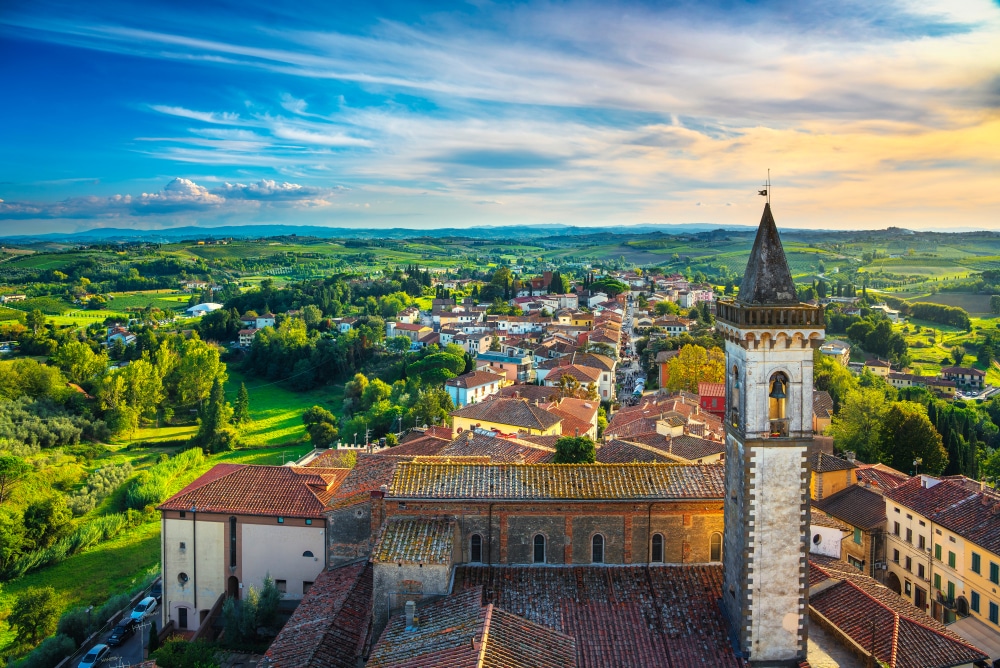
[{"x": 770, "y": 338}]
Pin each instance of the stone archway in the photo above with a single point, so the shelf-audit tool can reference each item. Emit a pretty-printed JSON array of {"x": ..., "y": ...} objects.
[
  {"x": 893, "y": 583},
  {"x": 962, "y": 606}
]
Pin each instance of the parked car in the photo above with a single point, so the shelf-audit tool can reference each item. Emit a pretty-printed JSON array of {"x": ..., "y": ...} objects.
[
  {"x": 97, "y": 654},
  {"x": 122, "y": 632},
  {"x": 156, "y": 591},
  {"x": 144, "y": 609}
]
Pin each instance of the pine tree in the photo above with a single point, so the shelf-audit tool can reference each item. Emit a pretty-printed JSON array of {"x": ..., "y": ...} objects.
[
  {"x": 241, "y": 411},
  {"x": 215, "y": 434}
]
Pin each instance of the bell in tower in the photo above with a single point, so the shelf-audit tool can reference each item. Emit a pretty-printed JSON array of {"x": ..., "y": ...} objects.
[{"x": 770, "y": 338}]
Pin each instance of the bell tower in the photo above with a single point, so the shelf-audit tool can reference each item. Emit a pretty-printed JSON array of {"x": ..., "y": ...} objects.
[{"x": 770, "y": 338}]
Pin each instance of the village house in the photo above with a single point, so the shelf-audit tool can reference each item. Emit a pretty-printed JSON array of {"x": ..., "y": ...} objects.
[
  {"x": 964, "y": 376},
  {"x": 516, "y": 369},
  {"x": 507, "y": 416},
  {"x": 246, "y": 337},
  {"x": 234, "y": 526},
  {"x": 473, "y": 387},
  {"x": 837, "y": 350},
  {"x": 878, "y": 367}
]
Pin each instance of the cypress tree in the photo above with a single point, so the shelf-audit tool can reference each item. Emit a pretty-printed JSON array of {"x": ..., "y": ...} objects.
[{"x": 241, "y": 411}]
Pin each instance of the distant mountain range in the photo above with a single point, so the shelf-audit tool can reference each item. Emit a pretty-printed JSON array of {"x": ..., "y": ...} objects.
[{"x": 110, "y": 234}]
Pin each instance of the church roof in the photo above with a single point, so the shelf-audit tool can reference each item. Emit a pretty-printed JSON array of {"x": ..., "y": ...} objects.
[{"x": 767, "y": 279}]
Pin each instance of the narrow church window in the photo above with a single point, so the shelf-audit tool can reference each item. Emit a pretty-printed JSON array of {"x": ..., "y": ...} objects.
[
  {"x": 734, "y": 401},
  {"x": 597, "y": 549},
  {"x": 657, "y": 556},
  {"x": 476, "y": 548},
  {"x": 715, "y": 551},
  {"x": 232, "y": 542},
  {"x": 539, "y": 556}
]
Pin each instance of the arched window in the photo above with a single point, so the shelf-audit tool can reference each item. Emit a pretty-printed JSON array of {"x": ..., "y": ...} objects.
[
  {"x": 734, "y": 397},
  {"x": 539, "y": 549},
  {"x": 777, "y": 400},
  {"x": 597, "y": 549},
  {"x": 715, "y": 549},
  {"x": 476, "y": 548},
  {"x": 308, "y": 553},
  {"x": 657, "y": 552}
]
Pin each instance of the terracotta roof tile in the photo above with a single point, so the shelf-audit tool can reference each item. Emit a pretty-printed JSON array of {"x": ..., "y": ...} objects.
[
  {"x": 415, "y": 541},
  {"x": 822, "y": 404},
  {"x": 329, "y": 625},
  {"x": 529, "y": 392},
  {"x": 623, "y": 616},
  {"x": 474, "y": 379},
  {"x": 513, "y": 412},
  {"x": 929, "y": 501},
  {"x": 821, "y": 462},
  {"x": 287, "y": 491},
  {"x": 856, "y": 505},
  {"x": 562, "y": 481},
  {"x": 879, "y": 475},
  {"x": 622, "y": 452},
  {"x": 460, "y": 632},
  {"x": 367, "y": 476},
  {"x": 711, "y": 389},
  {"x": 905, "y": 637}
]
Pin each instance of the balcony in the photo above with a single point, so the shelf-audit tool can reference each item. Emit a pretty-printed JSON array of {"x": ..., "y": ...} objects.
[{"x": 779, "y": 428}]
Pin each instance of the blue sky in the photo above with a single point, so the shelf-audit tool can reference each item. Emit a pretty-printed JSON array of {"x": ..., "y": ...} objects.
[{"x": 422, "y": 115}]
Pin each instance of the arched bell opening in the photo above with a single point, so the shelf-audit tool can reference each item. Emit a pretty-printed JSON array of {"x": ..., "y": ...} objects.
[{"x": 777, "y": 404}]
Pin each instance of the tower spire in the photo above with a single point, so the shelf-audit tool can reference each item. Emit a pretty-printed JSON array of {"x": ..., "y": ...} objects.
[{"x": 767, "y": 279}]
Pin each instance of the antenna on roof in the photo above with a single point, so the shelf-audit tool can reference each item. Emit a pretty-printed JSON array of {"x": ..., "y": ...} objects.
[{"x": 766, "y": 190}]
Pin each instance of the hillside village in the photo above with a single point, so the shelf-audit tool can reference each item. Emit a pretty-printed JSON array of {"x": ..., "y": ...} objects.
[{"x": 466, "y": 544}]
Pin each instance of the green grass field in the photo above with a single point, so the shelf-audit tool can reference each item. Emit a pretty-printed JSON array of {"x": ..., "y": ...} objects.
[{"x": 162, "y": 299}]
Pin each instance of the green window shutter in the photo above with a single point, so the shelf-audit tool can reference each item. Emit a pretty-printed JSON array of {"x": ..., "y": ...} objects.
[
  {"x": 974, "y": 601},
  {"x": 976, "y": 564},
  {"x": 857, "y": 536},
  {"x": 951, "y": 591},
  {"x": 951, "y": 559},
  {"x": 994, "y": 573},
  {"x": 937, "y": 552},
  {"x": 937, "y": 581}
]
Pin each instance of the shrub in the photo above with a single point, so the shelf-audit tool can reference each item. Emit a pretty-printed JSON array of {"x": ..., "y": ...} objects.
[
  {"x": 100, "y": 484},
  {"x": 76, "y": 624},
  {"x": 152, "y": 486},
  {"x": 35, "y": 613},
  {"x": 48, "y": 655}
]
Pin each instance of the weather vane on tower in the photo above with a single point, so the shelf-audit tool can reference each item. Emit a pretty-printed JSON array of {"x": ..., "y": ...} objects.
[{"x": 766, "y": 190}]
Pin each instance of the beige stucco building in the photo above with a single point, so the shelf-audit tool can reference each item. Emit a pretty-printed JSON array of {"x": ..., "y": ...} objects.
[{"x": 236, "y": 525}]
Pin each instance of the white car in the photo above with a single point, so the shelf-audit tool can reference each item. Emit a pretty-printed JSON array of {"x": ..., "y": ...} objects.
[
  {"x": 144, "y": 609},
  {"x": 97, "y": 654}
]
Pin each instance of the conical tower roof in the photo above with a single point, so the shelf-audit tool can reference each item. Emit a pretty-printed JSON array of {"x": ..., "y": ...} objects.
[{"x": 767, "y": 279}]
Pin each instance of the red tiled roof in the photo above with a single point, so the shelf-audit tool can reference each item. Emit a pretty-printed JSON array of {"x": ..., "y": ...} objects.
[
  {"x": 929, "y": 501},
  {"x": 529, "y": 392},
  {"x": 821, "y": 462},
  {"x": 976, "y": 519},
  {"x": 690, "y": 448},
  {"x": 474, "y": 379},
  {"x": 499, "y": 450},
  {"x": 328, "y": 627},
  {"x": 367, "y": 476},
  {"x": 622, "y": 452},
  {"x": 879, "y": 475},
  {"x": 664, "y": 616},
  {"x": 583, "y": 374},
  {"x": 287, "y": 491},
  {"x": 571, "y": 425},
  {"x": 962, "y": 371},
  {"x": 904, "y": 636},
  {"x": 413, "y": 540},
  {"x": 512, "y": 412},
  {"x": 459, "y": 632},
  {"x": 822, "y": 404},
  {"x": 333, "y": 459},
  {"x": 421, "y": 446},
  {"x": 711, "y": 389},
  {"x": 856, "y": 505}
]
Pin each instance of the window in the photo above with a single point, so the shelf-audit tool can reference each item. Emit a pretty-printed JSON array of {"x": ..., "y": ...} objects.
[
  {"x": 974, "y": 601},
  {"x": 857, "y": 536},
  {"x": 909, "y": 564},
  {"x": 183, "y": 515},
  {"x": 476, "y": 548},
  {"x": 716, "y": 548},
  {"x": 922, "y": 523},
  {"x": 920, "y": 571},
  {"x": 182, "y": 578},
  {"x": 183, "y": 546},
  {"x": 282, "y": 586},
  {"x": 281, "y": 520},
  {"x": 994, "y": 573},
  {"x": 309, "y": 554},
  {"x": 921, "y": 542},
  {"x": 976, "y": 563},
  {"x": 937, "y": 552},
  {"x": 994, "y": 613},
  {"x": 306, "y": 586},
  {"x": 895, "y": 510},
  {"x": 895, "y": 556},
  {"x": 657, "y": 551},
  {"x": 539, "y": 544},
  {"x": 907, "y": 587},
  {"x": 857, "y": 563},
  {"x": 937, "y": 581},
  {"x": 895, "y": 529},
  {"x": 909, "y": 535},
  {"x": 909, "y": 516},
  {"x": 951, "y": 559},
  {"x": 232, "y": 542},
  {"x": 309, "y": 523},
  {"x": 597, "y": 549}
]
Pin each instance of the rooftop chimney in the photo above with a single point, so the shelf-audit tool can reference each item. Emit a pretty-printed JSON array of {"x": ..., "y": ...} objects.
[{"x": 412, "y": 623}]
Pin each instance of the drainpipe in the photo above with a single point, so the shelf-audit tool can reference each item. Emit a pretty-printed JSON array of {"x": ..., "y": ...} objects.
[{"x": 194, "y": 550}]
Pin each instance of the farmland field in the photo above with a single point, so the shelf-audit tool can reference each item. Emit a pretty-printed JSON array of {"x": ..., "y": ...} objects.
[{"x": 975, "y": 304}]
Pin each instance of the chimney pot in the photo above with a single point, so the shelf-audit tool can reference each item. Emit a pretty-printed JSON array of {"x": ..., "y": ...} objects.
[{"x": 411, "y": 616}]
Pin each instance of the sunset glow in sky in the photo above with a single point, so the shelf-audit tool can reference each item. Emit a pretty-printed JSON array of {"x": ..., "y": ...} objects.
[{"x": 402, "y": 114}]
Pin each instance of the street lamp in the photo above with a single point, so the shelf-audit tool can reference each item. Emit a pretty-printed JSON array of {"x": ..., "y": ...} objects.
[{"x": 916, "y": 465}]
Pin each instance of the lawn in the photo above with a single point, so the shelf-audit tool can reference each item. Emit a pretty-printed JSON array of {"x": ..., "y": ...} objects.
[{"x": 162, "y": 299}]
